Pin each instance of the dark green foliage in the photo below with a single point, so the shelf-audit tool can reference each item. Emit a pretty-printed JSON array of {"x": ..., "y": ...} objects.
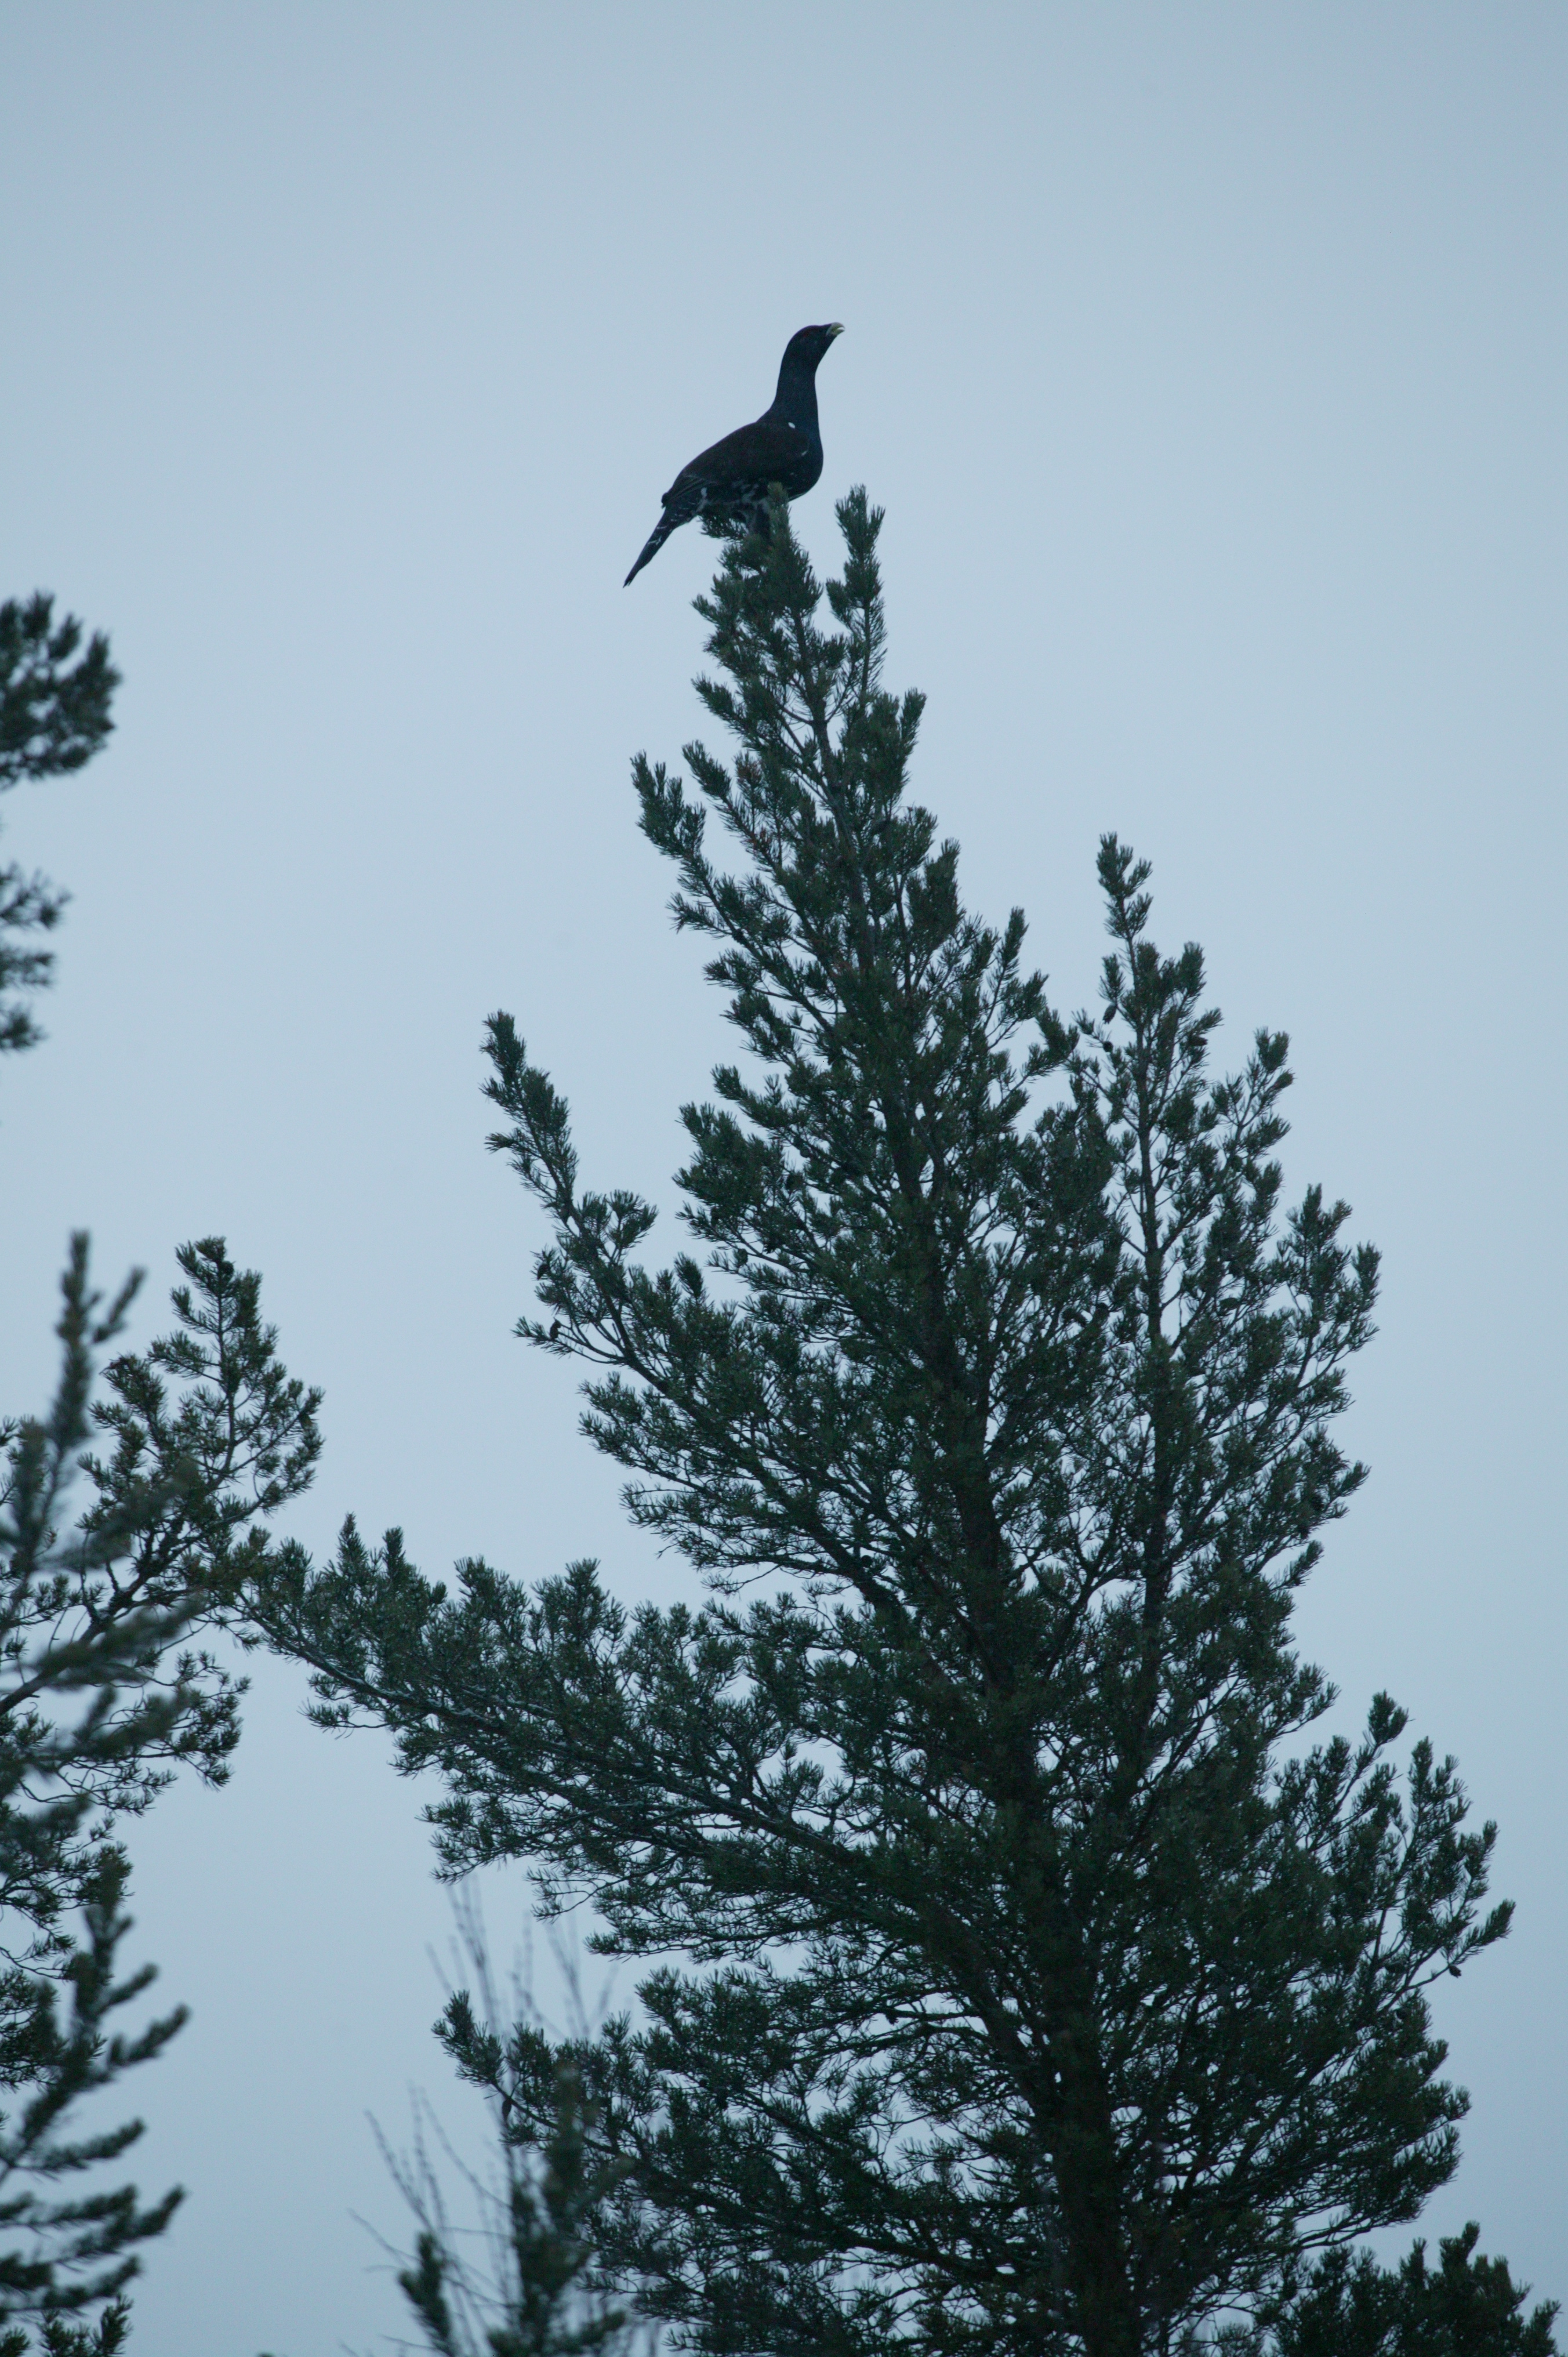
[
  {"x": 203, "y": 1436},
  {"x": 61, "y": 2336},
  {"x": 54, "y": 715},
  {"x": 543, "y": 2293},
  {"x": 543, "y": 2297},
  {"x": 1466, "y": 2306},
  {"x": 209, "y": 1437},
  {"x": 54, "y": 700},
  {"x": 101, "y": 1695},
  {"x": 64, "y": 2256},
  {"x": 1042, "y": 1986}
]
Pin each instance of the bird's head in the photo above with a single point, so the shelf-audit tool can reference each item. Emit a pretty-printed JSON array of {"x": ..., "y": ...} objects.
[{"x": 807, "y": 345}]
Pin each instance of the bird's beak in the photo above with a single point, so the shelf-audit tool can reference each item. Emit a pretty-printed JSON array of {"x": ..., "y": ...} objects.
[{"x": 836, "y": 328}]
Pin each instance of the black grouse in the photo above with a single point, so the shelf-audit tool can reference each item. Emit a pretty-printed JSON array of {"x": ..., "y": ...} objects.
[{"x": 783, "y": 446}]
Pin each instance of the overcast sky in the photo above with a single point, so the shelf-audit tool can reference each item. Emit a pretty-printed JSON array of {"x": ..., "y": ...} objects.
[{"x": 1210, "y": 363}]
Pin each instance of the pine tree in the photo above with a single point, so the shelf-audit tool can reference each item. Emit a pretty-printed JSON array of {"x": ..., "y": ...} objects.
[
  {"x": 542, "y": 2294},
  {"x": 1468, "y": 2306},
  {"x": 55, "y": 703},
  {"x": 102, "y": 1695},
  {"x": 1045, "y": 1979}
]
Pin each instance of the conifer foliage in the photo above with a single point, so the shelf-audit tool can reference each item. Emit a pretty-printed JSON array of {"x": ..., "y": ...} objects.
[
  {"x": 56, "y": 697},
  {"x": 543, "y": 2293},
  {"x": 102, "y": 1695},
  {"x": 132, "y": 1512},
  {"x": 1467, "y": 2305},
  {"x": 1026, "y": 1975}
]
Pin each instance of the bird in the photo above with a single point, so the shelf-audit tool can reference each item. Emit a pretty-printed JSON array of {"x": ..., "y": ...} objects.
[{"x": 732, "y": 479}]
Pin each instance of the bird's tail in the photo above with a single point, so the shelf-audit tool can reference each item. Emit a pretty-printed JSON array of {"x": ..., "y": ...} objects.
[{"x": 654, "y": 543}]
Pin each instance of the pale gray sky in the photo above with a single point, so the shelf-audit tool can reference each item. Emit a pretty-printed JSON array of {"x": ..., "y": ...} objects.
[{"x": 1209, "y": 362}]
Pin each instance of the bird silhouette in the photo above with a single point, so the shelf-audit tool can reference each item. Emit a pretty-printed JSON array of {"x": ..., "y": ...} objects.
[{"x": 731, "y": 480}]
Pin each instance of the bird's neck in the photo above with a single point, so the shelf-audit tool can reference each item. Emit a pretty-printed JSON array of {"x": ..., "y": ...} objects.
[{"x": 795, "y": 398}]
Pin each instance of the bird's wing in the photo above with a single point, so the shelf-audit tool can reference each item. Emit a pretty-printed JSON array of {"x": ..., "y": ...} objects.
[
  {"x": 767, "y": 451},
  {"x": 732, "y": 476}
]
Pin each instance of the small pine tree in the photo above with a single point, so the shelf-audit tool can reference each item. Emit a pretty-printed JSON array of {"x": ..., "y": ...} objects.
[
  {"x": 55, "y": 702},
  {"x": 542, "y": 2293},
  {"x": 1041, "y": 1983},
  {"x": 66, "y": 2258},
  {"x": 102, "y": 1696},
  {"x": 1469, "y": 2306}
]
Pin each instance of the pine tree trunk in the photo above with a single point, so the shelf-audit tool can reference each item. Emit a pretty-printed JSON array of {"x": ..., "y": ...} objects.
[
  {"x": 1097, "y": 2260},
  {"x": 1076, "y": 2115}
]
